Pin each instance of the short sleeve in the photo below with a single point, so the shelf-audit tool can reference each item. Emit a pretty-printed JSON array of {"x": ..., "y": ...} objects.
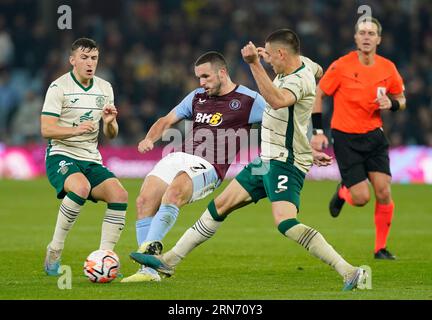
[
  {"x": 53, "y": 101},
  {"x": 331, "y": 79},
  {"x": 295, "y": 87},
  {"x": 184, "y": 109},
  {"x": 315, "y": 67},
  {"x": 396, "y": 84},
  {"x": 257, "y": 109}
]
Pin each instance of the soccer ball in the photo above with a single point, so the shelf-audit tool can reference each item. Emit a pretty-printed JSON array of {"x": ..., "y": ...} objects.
[{"x": 102, "y": 266}]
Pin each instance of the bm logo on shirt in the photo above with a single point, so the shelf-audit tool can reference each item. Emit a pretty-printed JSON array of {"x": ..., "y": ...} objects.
[{"x": 212, "y": 119}]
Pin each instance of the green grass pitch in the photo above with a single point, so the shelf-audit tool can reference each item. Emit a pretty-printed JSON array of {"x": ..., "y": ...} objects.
[{"x": 246, "y": 259}]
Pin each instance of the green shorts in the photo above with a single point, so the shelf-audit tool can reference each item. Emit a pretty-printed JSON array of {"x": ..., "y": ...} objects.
[
  {"x": 59, "y": 167},
  {"x": 279, "y": 181}
]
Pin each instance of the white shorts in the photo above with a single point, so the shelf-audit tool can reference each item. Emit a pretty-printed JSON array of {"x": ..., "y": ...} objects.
[{"x": 204, "y": 177}]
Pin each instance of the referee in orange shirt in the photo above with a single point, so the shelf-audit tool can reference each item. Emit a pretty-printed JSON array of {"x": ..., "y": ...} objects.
[{"x": 362, "y": 84}]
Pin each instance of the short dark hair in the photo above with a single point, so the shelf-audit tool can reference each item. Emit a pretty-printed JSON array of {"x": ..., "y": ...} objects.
[
  {"x": 84, "y": 43},
  {"x": 286, "y": 37},
  {"x": 214, "y": 57},
  {"x": 373, "y": 20}
]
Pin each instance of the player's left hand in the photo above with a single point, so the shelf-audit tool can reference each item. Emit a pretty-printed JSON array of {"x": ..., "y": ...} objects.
[
  {"x": 250, "y": 53},
  {"x": 321, "y": 159},
  {"x": 383, "y": 102},
  {"x": 109, "y": 113}
]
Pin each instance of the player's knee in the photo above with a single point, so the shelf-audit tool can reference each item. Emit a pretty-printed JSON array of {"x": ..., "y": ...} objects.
[
  {"x": 147, "y": 204},
  {"x": 383, "y": 194},
  {"x": 121, "y": 196},
  {"x": 174, "y": 195},
  {"x": 360, "y": 199},
  {"x": 143, "y": 199},
  {"x": 82, "y": 190}
]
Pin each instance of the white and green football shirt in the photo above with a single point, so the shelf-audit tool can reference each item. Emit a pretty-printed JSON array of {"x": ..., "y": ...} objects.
[
  {"x": 284, "y": 131},
  {"x": 73, "y": 103},
  {"x": 315, "y": 67}
]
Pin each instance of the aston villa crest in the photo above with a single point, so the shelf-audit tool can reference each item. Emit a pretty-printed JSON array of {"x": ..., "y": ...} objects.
[{"x": 235, "y": 104}]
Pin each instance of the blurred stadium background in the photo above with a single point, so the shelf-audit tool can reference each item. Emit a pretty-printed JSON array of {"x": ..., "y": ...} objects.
[{"x": 148, "y": 49}]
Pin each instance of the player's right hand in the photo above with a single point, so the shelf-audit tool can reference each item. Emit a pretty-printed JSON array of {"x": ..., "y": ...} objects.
[
  {"x": 85, "y": 127},
  {"x": 250, "y": 53},
  {"x": 145, "y": 145},
  {"x": 319, "y": 141},
  {"x": 263, "y": 54},
  {"x": 321, "y": 159}
]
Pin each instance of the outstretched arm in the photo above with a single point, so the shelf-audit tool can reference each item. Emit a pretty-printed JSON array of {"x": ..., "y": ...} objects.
[
  {"x": 276, "y": 97},
  {"x": 156, "y": 131}
]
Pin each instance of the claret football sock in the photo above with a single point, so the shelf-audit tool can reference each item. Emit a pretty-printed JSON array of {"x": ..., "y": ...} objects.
[
  {"x": 68, "y": 212},
  {"x": 113, "y": 224},
  {"x": 315, "y": 243},
  {"x": 162, "y": 222},
  {"x": 383, "y": 219}
]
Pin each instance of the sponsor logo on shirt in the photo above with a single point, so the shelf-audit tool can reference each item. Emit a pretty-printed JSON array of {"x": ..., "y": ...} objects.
[
  {"x": 86, "y": 116},
  {"x": 212, "y": 119}
]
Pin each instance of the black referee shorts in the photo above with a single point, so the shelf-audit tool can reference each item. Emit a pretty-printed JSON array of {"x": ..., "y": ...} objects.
[{"x": 358, "y": 154}]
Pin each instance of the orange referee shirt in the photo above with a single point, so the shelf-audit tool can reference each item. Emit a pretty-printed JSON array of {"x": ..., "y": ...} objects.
[{"x": 355, "y": 88}]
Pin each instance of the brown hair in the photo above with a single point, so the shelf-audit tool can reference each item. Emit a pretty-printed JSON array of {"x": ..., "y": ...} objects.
[
  {"x": 214, "y": 57},
  {"x": 286, "y": 37},
  {"x": 84, "y": 43}
]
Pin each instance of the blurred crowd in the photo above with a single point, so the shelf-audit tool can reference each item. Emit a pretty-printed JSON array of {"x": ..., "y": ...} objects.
[{"x": 147, "y": 51}]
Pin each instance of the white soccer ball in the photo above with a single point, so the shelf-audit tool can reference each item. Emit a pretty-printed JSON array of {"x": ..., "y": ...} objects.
[{"x": 102, "y": 266}]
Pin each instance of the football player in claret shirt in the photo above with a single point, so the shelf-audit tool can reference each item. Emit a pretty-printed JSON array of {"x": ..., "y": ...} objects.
[{"x": 217, "y": 108}]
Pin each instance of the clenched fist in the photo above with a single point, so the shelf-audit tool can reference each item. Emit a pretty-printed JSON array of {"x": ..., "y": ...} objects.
[{"x": 250, "y": 53}]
